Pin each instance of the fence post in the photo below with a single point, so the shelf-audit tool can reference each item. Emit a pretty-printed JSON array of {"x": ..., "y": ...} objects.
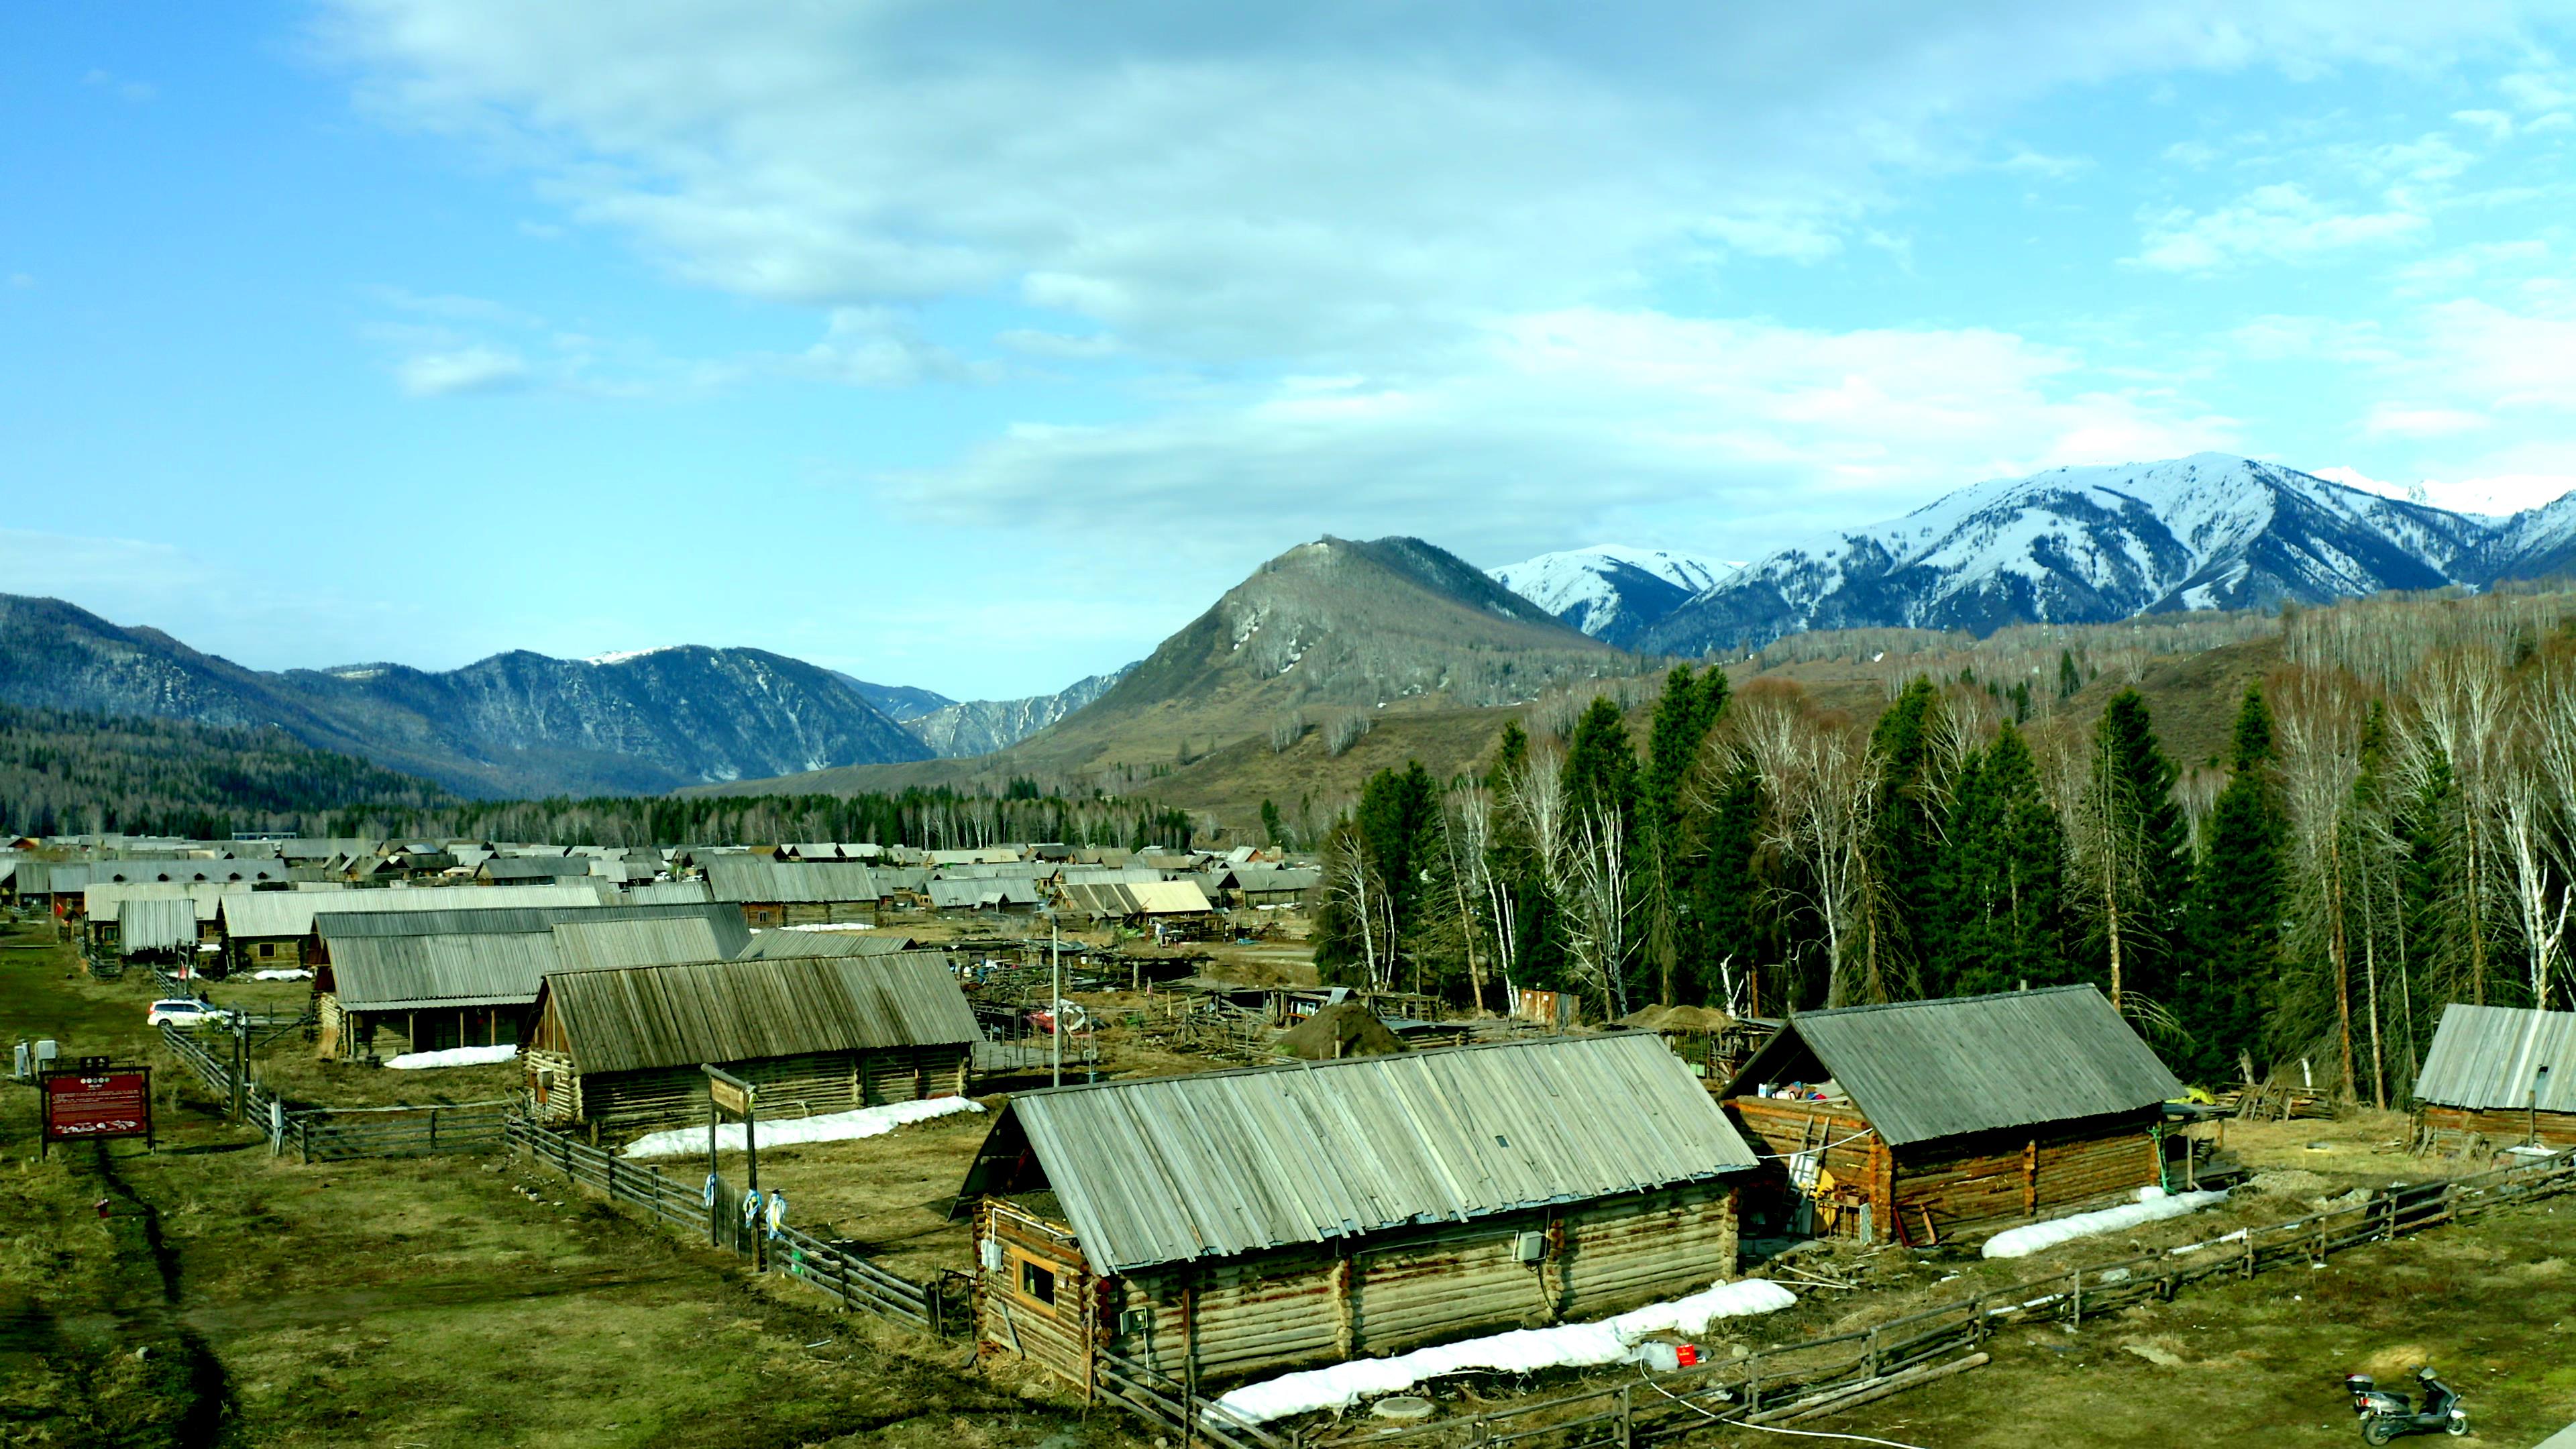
[
  {"x": 1873, "y": 1350},
  {"x": 2078, "y": 1319},
  {"x": 433, "y": 1129},
  {"x": 612, "y": 1177},
  {"x": 1627, "y": 1416},
  {"x": 304, "y": 1138}
]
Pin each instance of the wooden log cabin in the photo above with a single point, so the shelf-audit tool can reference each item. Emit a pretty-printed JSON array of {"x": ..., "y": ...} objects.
[
  {"x": 621, "y": 1050},
  {"x": 1225, "y": 1224},
  {"x": 435, "y": 979},
  {"x": 796, "y": 893},
  {"x": 264, "y": 929},
  {"x": 1951, "y": 1116},
  {"x": 2504, "y": 1076}
]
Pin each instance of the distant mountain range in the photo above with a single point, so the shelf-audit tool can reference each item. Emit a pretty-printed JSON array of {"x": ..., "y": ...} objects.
[
  {"x": 1324, "y": 629},
  {"x": 2070, "y": 545},
  {"x": 1612, "y": 593},
  {"x": 516, "y": 724}
]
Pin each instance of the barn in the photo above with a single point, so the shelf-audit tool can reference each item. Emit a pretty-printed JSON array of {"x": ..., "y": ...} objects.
[
  {"x": 457, "y": 978},
  {"x": 1227, "y": 1223},
  {"x": 1921, "y": 1118},
  {"x": 2505, "y": 1074},
  {"x": 621, "y": 1050}
]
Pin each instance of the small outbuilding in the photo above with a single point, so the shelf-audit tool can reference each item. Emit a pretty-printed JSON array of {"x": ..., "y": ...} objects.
[
  {"x": 795, "y": 893},
  {"x": 1228, "y": 1223},
  {"x": 622, "y": 1050},
  {"x": 2505, "y": 1074},
  {"x": 1914, "y": 1120}
]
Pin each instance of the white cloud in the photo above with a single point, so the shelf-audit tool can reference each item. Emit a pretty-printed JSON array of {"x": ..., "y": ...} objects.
[
  {"x": 1263, "y": 182},
  {"x": 1729, "y": 433},
  {"x": 2497, "y": 124},
  {"x": 466, "y": 370},
  {"x": 2276, "y": 223},
  {"x": 2394, "y": 420}
]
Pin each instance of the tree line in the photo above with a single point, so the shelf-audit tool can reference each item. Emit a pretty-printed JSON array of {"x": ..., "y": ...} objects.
[{"x": 2367, "y": 850}]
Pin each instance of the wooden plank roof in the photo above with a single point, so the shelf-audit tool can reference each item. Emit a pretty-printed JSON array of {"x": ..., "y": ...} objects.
[
  {"x": 2501, "y": 1058},
  {"x": 749, "y": 878},
  {"x": 1170, "y": 1169},
  {"x": 738, "y": 1011},
  {"x": 1920, "y": 1070}
]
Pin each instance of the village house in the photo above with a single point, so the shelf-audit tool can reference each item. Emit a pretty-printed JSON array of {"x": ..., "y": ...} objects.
[
  {"x": 621, "y": 1050},
  {"x": 1913, "y": 1121},
  {"x": 455, "y": 978},
  {"x": 274, "y": 929},
  {"x": 1229, "y": 1223},
  {"x": 795, "y": 893},
  {"x": 2503, "y": 1074}
]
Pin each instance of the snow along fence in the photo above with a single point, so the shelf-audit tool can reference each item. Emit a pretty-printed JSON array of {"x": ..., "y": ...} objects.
[
  {"x": 2154, "y": 1204},
  {"x": 684, "y": 1202},
  {"x": 1787, "y": 1382}
]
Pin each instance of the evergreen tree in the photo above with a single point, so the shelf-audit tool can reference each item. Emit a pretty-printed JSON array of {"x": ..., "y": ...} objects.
[
  {"x": 2229, "y": 978},
  {"x": 1684, "y": 716},
  {"x": 2136, "y": 855},
  {"x": 1729, "y": 916},
  {"x": 1905, "y": 916},
  {"x": 1273, "y": 832},
  {"x": 2002, "y": 878},
  {"x": 1601, "y": 773},
  {"x": 2069, "y": 678}
]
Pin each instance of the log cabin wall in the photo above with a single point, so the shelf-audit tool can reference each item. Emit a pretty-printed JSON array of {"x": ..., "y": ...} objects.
[
  {"x": 1041, "y": 1303},
  {"x": 794, "y": 1086},
  {"x": 1960, "y": 1182},
  {"x": 1391, "y": 1291},
  {"x": 2503, "y": 1126}
]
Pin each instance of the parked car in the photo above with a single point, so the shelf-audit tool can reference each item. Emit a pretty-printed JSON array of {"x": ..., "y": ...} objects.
[{"x": 182, "y": 1012}]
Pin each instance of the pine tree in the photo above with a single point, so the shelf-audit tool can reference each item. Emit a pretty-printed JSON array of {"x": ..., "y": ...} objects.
[
  {"x": 2135, "y": 853},
  {"x": 1601, "y": 773},
  {"x": 1904, "y": 919},
  {"x": 2003, "y": 878},
  {"x": 1688, "y": 710},
  {"x": 2229, "y": 977}
]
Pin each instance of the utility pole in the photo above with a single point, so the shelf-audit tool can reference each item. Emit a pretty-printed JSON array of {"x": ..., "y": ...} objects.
[{"x": 1055, "y": 974}]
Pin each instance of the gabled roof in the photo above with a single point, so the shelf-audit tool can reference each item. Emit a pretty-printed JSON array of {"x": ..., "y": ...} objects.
[
  {"x": 1169, "y": 1169},
  {"x": 778, "y": 945},
  {"x": 968, "y": 895},
  {"x": 594, "y": 945},
  {"x": 1920, "y": 1070},
  {"x": 156, "y": 923},
  {"x": 739, "y": 1011},
  {"x": 535, "y": 867},
  {"x": 2491, "y": 1058},
  {"x": 1139, "y": 898},
  {"x": 749, "y": 878},
  {"x": 388, "y": 962},
  {"x": 262, "y": 914}
]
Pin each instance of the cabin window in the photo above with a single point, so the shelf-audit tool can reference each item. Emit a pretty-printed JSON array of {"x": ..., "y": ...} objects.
[
  {"x": 1037, "y": 1284},
  {"x": 267, "y": 948}
]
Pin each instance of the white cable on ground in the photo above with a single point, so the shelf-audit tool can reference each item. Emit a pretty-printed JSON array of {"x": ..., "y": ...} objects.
[{"x": 1769, "y": 1428}]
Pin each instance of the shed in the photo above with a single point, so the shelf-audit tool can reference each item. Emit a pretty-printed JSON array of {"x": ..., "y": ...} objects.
[
  {"x": 1227, "y": 1223},
  {"x": 622, "y": 1049},
  {"x": 1919, "y": 1118},
  {"x": 2507, "y": 1074},
  {"x": 534, "y": 869}
]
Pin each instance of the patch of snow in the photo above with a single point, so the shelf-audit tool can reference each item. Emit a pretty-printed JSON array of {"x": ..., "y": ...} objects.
[
  {"x": 2498, "y": 497},
  {"x": 789, "y": 1131},
  {"x": 2154, "y": 1204},
  {"x": 482, "y": 1056},
  {"x": 291, "y": 973},
  {"x": 620, "y": 656},
  {"x": 1567, "y": 1345}
]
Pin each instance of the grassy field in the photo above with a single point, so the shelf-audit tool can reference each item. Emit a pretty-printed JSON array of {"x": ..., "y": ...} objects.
[{"x": 435, "y": 1302}]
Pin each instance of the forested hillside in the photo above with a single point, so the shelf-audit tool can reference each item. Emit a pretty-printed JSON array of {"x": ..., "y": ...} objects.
[
  {"x": 2390, "y": 825},
  {"x": 70, "y": 772}
]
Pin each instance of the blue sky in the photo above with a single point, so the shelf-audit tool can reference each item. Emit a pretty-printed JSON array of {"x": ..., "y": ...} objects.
[{"x": 979, "y": 347}]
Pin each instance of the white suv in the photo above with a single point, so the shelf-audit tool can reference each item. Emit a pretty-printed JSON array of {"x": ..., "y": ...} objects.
[{"x": 180, "y": 1011}]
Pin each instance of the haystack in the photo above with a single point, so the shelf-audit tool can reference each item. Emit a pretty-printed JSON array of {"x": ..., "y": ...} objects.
[{"x": 1344, "y": 1029}]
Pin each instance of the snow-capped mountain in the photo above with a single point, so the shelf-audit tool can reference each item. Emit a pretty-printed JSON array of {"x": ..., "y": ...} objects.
[
  {"x": 1611, "y": 592},
  {"x": 2497, "y": 497},
  {"x": 2209, "y": 531}
]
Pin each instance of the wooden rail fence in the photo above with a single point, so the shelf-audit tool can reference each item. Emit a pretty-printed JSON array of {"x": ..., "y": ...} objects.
[
  {"x": 1795, "y": 1381},
  {"x": 849, "y": 1280}
]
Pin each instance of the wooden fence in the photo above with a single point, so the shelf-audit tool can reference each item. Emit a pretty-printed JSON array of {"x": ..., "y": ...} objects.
[
  {"x": 849, "y": 1280},
  {"x": 1792, "y": 1382},
  {"x": 342, "y": 1133},
  {"x": 1167, "y": 1403}
]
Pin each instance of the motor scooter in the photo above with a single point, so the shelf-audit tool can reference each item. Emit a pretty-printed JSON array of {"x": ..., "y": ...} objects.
[{"x": 2385, "y": 1415}]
